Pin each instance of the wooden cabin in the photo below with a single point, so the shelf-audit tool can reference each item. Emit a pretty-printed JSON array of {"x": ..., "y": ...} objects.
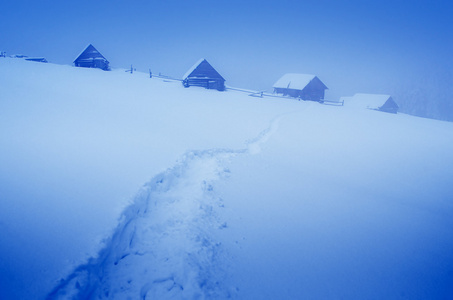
[
  {"x": 37, "y": 59},
  {"x": 379, "y": 102},
  {"x": 302, "y": 86},
  {"x": 204, "y": 75},
  {"x": 91, "y": 58}
]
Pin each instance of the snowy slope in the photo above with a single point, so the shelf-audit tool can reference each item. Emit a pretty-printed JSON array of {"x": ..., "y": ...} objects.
[
  {"x": 250, "y": 198},
  {"x": 359, "y": 210},
  {"x": 76, "y": 144}
]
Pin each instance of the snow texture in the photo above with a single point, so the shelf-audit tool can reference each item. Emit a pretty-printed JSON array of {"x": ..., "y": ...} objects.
[
  {"x": 294, "y": 81},
  {"x": 164, "y": 246},
  {"x": 371, "y": 101},
  {"x": 283, "y": 199}
]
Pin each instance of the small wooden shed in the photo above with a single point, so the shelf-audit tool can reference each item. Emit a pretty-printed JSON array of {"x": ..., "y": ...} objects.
[
  {"x": 204, "y": 75},
  {"x": 379, "y": 102},
  {"x": 303, "y": 86},
  {"x": 91, "y": 58},
  {"x": 37, "y": 59}
]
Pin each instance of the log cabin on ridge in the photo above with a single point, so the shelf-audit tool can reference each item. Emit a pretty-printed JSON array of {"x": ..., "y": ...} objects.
[
  {"x": 204, "y": 75},
  {"x": 379, "y": 102},
  {"x": 91, "y": 58},
  {"x": 302, "y": 86}
]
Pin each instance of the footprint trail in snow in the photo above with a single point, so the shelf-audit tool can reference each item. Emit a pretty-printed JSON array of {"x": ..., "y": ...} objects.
[{"x": 164, "y": 246}]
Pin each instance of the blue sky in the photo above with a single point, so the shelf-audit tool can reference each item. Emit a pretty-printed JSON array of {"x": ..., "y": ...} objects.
[{"x": 353, "y": 46}]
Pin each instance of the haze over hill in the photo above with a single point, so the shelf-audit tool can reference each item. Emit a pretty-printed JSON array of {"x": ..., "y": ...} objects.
[
  {"x": 117, "y": 185},
  {"x": 385, "y": 47}
]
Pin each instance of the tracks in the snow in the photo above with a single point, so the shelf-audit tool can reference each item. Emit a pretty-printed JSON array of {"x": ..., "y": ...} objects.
[{"x": 164, "y": 245}]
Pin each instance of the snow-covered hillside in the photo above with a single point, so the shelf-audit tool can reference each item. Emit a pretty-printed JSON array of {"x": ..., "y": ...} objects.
[{"x": 115, "y": 185}]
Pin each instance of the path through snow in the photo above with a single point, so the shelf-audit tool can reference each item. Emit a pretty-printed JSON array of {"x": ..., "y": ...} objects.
[{"x": 165, "y": 245}]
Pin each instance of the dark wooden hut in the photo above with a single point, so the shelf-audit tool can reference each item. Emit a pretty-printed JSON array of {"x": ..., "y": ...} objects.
[
  {"x": 91, "y": 58},
  {"x": 37, "y": 59},
  {"x": 302, "y": 86},
  {"x": 204, "y": 75},
  {"x": 389, "y": 106}
]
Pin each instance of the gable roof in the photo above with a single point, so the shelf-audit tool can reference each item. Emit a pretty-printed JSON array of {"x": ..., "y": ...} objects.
[
  {"x": 373, "y": 101},
  {"x": 295, "y": 81},
  {"x": 202, "y": 69},
  {"x": 90, "y": 53}
]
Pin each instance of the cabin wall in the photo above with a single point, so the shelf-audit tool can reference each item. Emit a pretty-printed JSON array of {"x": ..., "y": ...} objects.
[
  {"x": 37, "y": 59},
  {"x": 91, "y": 58},
  {"x": 313, "y": 91},
  {"x": 389, "y": 106},
  {"x": 208, "y": 83},
  {"x": 287, "y": 92},
  {"x": 90, "y": 63},
  {"x": 309, "y": 93},
  {"x": 204, "y": 75}
]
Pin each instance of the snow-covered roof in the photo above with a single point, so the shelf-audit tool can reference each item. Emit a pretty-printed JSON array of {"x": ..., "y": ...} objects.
[
  {"x": 294, "y": 81},
  {"x": 193, "y": 68},
  {"x": 203, "y": 69},
  {"x": 373, "y": 101}
]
